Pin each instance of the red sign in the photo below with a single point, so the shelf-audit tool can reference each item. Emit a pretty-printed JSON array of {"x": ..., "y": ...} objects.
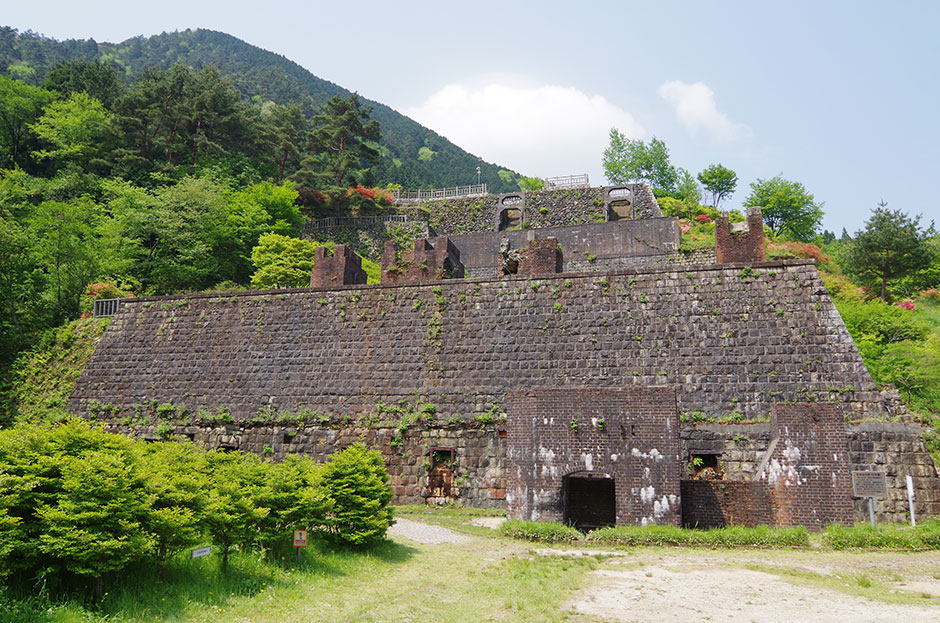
[{"x": 300, "y": 538}]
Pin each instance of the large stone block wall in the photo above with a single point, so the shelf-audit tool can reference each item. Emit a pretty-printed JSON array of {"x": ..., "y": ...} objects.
[
  {"x": 898, "y": 450},
  {"x": 627, "y": 434},
  {"x": 728, "y": 338}
]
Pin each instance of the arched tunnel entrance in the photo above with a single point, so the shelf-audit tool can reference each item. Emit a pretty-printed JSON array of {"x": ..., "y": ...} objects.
[{"x": 590, "y": 500}]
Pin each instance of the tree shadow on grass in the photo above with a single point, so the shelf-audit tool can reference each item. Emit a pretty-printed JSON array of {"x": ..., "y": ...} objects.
[{"x": 137, "y": 594}]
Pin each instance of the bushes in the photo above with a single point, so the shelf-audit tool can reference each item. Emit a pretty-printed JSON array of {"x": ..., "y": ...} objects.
[
  {"x": 731, "y": 536},
  {"x": 541, "y": 531},
  {"x": 926, "y": 536},
  {"x": 77, "y": 501}
]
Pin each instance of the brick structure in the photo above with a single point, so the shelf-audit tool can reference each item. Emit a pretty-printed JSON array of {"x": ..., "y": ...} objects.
[
  {"x": 425, "y": 262},
  {"x": 716, "y": 503},
  {"x": 593, "y": 456},
  {"x": 734, "y": 245},
  {"x": 298, "y": 370},
  {"x": 542, "y": 256},
  {"x": 343, "y": 268},
  {"x": 806, "y": 466}
]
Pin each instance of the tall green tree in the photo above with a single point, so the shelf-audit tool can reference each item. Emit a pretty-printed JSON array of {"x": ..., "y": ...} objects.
[
  {"x": 98, "y": 79},
  {"x": 341, "y": 146},
  {"x": 73, "y": 128},
  {"x": 627, "y": 160},
  {"x": 788, "y": 209},
  {"x": 64, "y": 233},
  {"x": 20, "y": 105},
  {"x": 891, "y": 245},
  {"x": 719, "y": 181}
]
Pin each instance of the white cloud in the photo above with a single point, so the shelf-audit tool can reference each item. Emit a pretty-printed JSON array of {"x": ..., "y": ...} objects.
[
  {"x": 537, "y": 130},
  {"x": 696, "y": 110}
]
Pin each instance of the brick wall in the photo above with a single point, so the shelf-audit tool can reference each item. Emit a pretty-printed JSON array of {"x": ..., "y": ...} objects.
[
  {"x": 542, "y": 256},
  {"x": 343, "y": 268},
  {"x": 740, "y": 246},
  {"x": 540, "y": 209},
  {"x": 898, "y": 450},
  {"x": 426, "y": 261},
  {"x": 628, "y": 434},
  {"x": 807, "y": 467},
  {"x": 716, "y": 503}
]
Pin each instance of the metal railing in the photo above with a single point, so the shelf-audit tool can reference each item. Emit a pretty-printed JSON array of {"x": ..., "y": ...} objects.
[
  {"x": 474, "y": 190},
  {"x": 106, "y": 307},
  {"x": 354, "y": 221},
  {"x": 566, "y": 181}
]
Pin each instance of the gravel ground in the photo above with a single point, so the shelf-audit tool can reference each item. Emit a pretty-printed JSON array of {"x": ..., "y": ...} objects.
[{"x": 426, "y": 534}]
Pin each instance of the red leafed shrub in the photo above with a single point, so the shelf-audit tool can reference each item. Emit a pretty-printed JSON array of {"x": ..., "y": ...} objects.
[
  {"x": 806, "y": 250},
  {"x": 106, "y": 290},
  {"x": 932, "y": 294},
  {"x": 906, "y": 304},
  {"x": 378, "y": 195},
  {"x": 703, "y": 218}
]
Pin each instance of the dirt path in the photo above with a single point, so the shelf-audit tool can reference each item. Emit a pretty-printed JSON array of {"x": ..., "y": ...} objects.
[
  {"x": 426, "y": 534},
  {"x": 766, "y": 586},
  {"x": 717, "y": 587}
]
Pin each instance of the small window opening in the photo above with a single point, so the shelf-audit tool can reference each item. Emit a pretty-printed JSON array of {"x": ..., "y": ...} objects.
[{"x": 704, "y": 466}]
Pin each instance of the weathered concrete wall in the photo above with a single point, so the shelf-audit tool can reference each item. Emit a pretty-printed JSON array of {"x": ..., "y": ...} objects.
[
  {"x": 627, "y": 434},
  {"x": 596, "y": 247}
]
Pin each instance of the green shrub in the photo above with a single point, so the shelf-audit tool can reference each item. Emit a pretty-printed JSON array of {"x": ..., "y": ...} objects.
[
  {"x": 925, "y": 536},
  {"x": 540, "y": 531},
  {"x": 729, "y": 536},
  {"x": 356, "y": 482}
]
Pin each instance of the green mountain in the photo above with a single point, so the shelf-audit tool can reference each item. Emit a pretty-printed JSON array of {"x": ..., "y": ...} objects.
[{"x": 260, "y": 75}]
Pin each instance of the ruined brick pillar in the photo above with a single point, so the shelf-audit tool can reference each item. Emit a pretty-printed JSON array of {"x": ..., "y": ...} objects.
[
  {"x": 540, "y": 257},
  {"x": 425, "y": 262},
  {"x": 734, "y": 243},
  {"x": 343, "y": 268}
]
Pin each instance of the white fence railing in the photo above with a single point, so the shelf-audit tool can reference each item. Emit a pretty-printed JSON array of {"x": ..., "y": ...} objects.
[
  {"x": 474, "y": 190},
  {"x": 566, "y": 181},
  {"x": 106, "y": 307},
  {"x": 354, "y": 221}
]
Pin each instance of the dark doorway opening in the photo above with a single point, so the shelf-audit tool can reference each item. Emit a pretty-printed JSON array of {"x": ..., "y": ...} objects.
[
  {"x": 441, "y": 476},
  {"x": 510, "y": 218},
  {"x": 590, "y": 501}
]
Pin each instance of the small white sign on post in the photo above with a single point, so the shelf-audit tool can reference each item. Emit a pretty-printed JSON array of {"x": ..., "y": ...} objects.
[
  {"x": 202, "y": 551},
  {"x": 910, "y": 498}
]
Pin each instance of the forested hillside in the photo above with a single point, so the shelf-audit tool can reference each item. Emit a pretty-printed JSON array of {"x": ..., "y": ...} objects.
[{"x": 259, "y": 76}]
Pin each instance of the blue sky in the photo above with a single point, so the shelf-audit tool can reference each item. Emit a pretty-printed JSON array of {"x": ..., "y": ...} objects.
[{"x": 841, "y": 96}]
